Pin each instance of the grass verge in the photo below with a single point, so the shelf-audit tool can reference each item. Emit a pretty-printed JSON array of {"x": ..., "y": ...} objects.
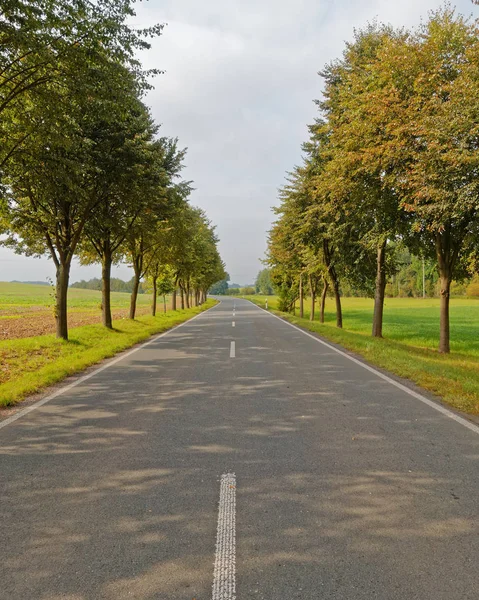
[
  {"x": 454, "y": 378},
  {"x": 30, "y": 364}
]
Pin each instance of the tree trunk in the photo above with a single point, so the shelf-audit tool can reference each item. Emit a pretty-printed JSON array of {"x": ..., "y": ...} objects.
[
  {"x": 445, "y": 266},
  {"x": 323, "y": 300},
  {"x": 164, "y": 303},
  {"x": 380, "y": 288},
  {"x": 339, "y": 312},
  {"x": 61, "y": 291},
  {"x": 187, "y": 296},
  {"x": 182, "y": 293},
  {"x": 173, "y": 300},
  {"x": 106, "y": 288},
  {"x": 328, "y": 254},
  {"x": 312, "y": 289},
  {"x": 301, "y": 299},
  {"x": 134, "y": 295},
  {"x": 444, "y": 344},
  {"x": 153, "y": 298}
]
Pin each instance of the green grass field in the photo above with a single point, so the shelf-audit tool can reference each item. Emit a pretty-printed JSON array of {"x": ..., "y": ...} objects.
[
  {"x": 21, "y": 295},
  {"x": 411, "y": 334}
]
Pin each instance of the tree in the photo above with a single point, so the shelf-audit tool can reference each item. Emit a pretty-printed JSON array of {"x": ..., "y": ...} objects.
[
  {"x": 48, "y": 177},
  {"x": 263, "y": 283},
  {"x": 356, "y": 175},
  {"x": 124, "y": 183},
  {"x": 144, "y": 239},
  {"x": 220, "y": 288},
  {"x": 42, "y": 43},
  {"x": 431, "y": 92}
]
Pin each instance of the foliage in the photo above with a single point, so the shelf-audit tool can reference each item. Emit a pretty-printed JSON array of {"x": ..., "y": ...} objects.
[
  {"x": 82, "y": 169},
  {"x": 263, "y": 283},
  {"x": 220, "y": 288},
  {"x": 116, "y": 285},
  {"x": 389, "y": 177}
]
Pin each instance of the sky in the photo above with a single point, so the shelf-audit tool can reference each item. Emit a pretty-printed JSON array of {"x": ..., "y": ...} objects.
[{"x": 238, "y": 90}]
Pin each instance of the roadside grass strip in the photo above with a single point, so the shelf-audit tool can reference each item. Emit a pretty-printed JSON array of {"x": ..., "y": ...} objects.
[
  {"x": 408, "y": 348},
  {"x": 27, "y": 365}
]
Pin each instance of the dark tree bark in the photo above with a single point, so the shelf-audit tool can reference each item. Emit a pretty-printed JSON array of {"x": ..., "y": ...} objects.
[
  {"x": 328, "y": 259},
  {"x": 106, "y": 263},
  {"x": 312, "y": 289},
  {"x": 323, "y": 300},
  {"x": 337, "y": 298},
  {"x": 182, "y": 294},
  {"x": 446, "y": 259},
  {"x": 173, "y": 300},
  {"x": 154, "y": 296},
  {"x": 134, "y": 293},
  {"x": 62, "y": 278},
  {"x": 301, "y": 299},
  {"x": 380, "y": 288},
  {"x": 164, "y": 303}
]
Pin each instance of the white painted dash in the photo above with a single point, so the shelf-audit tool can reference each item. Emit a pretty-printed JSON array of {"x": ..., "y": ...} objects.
[
  {"x": 234, "y": 324},
  {"x": 233, "y": 350},
  {"x": 224, "y": 576}
]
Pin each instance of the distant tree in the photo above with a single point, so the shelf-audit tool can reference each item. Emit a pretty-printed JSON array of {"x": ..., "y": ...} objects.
[
  {"x": 263, "y": 284},
  {"x": 220, "y": 288}
]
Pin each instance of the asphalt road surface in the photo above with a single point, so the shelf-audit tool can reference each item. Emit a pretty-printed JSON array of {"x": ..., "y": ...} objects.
[{"x": 337, "y": 484}]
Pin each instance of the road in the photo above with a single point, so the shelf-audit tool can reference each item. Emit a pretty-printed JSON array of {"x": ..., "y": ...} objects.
[{"x": 339, "y": 485}]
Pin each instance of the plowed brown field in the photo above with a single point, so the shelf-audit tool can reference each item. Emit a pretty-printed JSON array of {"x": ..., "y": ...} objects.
[{"x": 29, "y": 321}]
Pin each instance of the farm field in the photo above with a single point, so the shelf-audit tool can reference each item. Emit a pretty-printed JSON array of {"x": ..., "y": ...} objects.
[
  {"x": 26, "y": 310},
  {"x": 408, "y": 349},
  {"x": 30, "y": 355}
]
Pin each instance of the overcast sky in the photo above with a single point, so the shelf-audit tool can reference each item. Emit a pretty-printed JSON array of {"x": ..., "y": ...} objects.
[{"x": 241, "y": 77}]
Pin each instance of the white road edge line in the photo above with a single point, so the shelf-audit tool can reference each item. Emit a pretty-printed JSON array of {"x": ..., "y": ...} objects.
[
  {"x": 396, "y": 384},
  {"x": 224, "y": 575},
  {"x": 233, "y": 350},
  {"x": 81, "y": 380}
]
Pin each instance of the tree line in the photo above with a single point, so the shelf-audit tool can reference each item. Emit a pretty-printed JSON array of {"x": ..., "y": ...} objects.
[
  {"x": 83, "y": 170},
  {"x": 391, "y": 164}
]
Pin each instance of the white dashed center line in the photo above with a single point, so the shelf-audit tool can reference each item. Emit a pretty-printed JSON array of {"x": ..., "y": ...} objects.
[
  {"x": 233, "y": 350},
  {"x": 224, "y": 582},
  {"x": 234, "y": 324}
]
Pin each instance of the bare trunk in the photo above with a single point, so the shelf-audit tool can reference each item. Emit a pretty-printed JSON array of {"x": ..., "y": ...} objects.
[
  {"x": 182, "y": 295},
  {"x": 173, "y": 300},
  {"x": 444, "y": 344},
  {"x": 337, "y": 297},
  {"x": 301, "y": 299},
  {"x": 328, "y": 259},
  {"x": 445, "y": 266},
  {"x": 153, "y": 298},
  {"x": 164, "y": 304},
  {"x": 187, "y": 296},
  {"x": 134, "y": 295},
  {"x": 323, "y": 300},
  {"x": 380, "y": 288},
  {"x": 106, "y": 288},
  {"x": 312, "y": 289},
  {"x": 61, "y": 290}
]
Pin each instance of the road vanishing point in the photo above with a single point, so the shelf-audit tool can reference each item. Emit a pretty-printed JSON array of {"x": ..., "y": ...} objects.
[{"x": 238, "y": 457}]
